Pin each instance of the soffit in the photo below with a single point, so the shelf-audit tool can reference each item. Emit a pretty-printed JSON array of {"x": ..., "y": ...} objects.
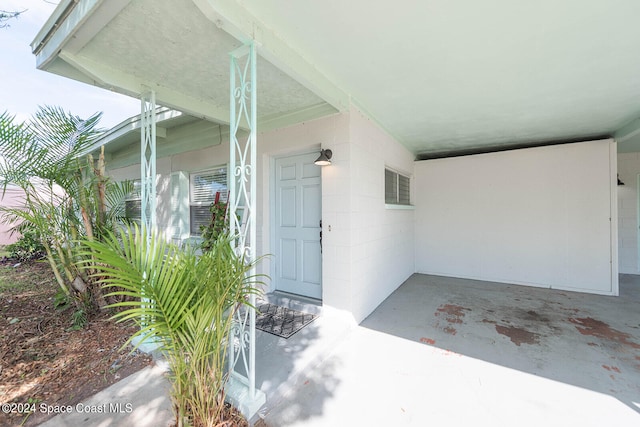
[
  {"x": 169, "y": 44},
  {"x": 441, "y": 75}
]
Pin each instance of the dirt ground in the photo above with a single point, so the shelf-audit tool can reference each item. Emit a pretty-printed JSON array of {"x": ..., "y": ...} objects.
[{"x": 43, "y": 360}]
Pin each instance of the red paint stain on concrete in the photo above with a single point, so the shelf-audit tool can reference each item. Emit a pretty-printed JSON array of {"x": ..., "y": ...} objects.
[
  {"x": 518, "y": 335},
  {"x": 450, "y": 330},
  {"x": 428, "y": 341},
  {"x": 453, "y": 314},
  {"x": 599, "y": 329},
  {"x": 611, "y": 368},
  {"x": 452, "y": 310}
]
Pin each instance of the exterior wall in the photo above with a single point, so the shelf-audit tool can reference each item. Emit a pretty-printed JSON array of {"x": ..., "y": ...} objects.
[
  {"x": 13, "y": 198},
  {"x": 629, "y": 170},
  {"x": 368, "y": 251},
  {"x": 541, "y": 216},
  {"x": 188, "y": 148},
  {"x": 328, "y": 132},
  {"x": 301, "y": 138},
  {"x": 382, "y": 240}
]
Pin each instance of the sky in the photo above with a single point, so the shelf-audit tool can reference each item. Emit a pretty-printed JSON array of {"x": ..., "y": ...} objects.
[{"x": 24, "y": 87}]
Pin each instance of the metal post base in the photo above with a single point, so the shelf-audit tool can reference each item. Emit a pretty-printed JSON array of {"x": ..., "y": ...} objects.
[{"x": 237, "y": 393}]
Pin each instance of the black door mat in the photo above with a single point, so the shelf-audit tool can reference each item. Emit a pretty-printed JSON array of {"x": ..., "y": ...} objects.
[{"x": 281, "y": 321}]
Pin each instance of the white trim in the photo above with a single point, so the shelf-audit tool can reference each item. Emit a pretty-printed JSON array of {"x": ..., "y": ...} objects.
[
  {"x": 613, "y": 179},
  {"x": 399, "y": 207}
]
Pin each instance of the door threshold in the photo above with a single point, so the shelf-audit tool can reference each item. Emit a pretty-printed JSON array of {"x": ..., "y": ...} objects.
[{"x": 295, "y": 302}]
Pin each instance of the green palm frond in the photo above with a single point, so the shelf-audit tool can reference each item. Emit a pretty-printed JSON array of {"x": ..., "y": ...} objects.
[
  {"x": 186, "y": 302},
  {"x": 47, "y": 147},
  {"x": 116, "y": 194}
]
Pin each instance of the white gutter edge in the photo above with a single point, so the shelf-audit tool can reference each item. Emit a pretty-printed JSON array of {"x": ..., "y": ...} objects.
[{"x": 59, "y": 14}]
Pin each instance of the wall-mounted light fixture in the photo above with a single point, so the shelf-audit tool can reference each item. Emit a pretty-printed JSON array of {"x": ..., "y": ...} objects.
[
  {"x": 325, "y": 158},
  {"x": 620, "y": 182}
]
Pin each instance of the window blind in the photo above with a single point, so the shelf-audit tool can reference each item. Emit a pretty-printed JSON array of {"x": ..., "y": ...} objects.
[
  {"x": 397, "y": 188},
  {"x": 203, "y": 187}
]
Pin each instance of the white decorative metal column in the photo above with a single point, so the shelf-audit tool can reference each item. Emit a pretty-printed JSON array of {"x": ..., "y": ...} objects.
[
  {"x": 147, "y": 185},
  {"x": 148, "y": 160},
  {"x": 242, "y": 216}
]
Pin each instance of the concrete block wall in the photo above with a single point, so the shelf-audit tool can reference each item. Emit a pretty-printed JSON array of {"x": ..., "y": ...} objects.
[
  {"x": 367, "y": 249},
  {"x": 328, "y": 132},
  {"x": 382, "y": 240},
  {"x": 628, "y": 170},
  {"x": 541, "y": 216}
]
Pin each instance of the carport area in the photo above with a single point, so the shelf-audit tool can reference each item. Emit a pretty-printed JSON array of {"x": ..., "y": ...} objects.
[{"x": 464, "y": 352}]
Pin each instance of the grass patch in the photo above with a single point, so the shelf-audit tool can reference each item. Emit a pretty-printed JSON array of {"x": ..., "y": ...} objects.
[
  {"x": 7, "y": 282},
  {"x": 20, "y": 279}
]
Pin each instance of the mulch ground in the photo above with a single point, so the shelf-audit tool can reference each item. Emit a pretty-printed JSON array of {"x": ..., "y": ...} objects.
[{"x": 42, "y": 359}]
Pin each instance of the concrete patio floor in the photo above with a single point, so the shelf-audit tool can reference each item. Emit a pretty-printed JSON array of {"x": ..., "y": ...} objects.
[
  {"x": 437, "y": 351},
  {"x": 462, "y": 352}
]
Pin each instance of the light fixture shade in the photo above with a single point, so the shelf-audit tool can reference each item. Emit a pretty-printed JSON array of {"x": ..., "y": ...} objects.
[{"x": 325, "y": 158}]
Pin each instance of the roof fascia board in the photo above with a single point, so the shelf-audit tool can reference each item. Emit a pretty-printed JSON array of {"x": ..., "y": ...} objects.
[
  {"x": 66, "y": 27},
  {"x": 50, "y": 23},
  {"x": 233, "y": 18},
  {"x": 130, "y": 85},
  {"x": 133, "y": 124}
]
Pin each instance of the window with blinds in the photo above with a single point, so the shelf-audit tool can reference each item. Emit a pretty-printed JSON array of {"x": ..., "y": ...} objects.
[
  {"x": 397, "y": 188},
  {"x": 203, "y": 187},
  {"x": 133, "y": 202}
]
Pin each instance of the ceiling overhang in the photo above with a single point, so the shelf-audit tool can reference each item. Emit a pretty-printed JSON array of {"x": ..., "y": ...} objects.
[
  {"x": 438, "y": 76},
  {"x": 132, "y": 46}
]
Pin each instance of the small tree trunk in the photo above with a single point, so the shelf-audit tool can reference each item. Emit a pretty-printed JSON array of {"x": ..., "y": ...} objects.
[
  {"x": 84, "y": 207},
  {"x": 100, "y": 174},
  {"x": 55, "y": 270},
  {"x": 79, "y": 285}
]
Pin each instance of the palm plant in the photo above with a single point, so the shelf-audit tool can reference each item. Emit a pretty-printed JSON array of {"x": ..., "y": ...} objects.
[
  {"x": 67, "y": 194},
  {"x": 185, "y": 303}
]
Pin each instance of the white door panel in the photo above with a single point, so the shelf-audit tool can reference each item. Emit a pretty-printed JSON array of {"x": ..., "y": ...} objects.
[{"x": 297, "y": 226}]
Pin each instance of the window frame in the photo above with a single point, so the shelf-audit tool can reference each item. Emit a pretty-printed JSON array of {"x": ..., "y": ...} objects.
[
  {"x": 401, "y": 197},
  {"x": 204, "y": 203},
  {"x": 136, "y": 197}
]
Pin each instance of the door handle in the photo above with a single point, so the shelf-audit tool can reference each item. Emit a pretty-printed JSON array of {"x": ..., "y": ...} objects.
[{"x": 320, "y": 236}]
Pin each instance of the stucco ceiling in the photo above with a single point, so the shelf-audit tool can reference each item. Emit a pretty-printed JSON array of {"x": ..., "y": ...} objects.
[
  {"x": 171, "y": 47},
  {"x": 438, "y": 75},
  {"x": 443, "y": 75}
]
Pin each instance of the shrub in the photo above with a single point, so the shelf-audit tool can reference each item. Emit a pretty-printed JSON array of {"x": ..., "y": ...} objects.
[
  {"x": 186, "y": 304},
  {"x": 218, "y": 225},
  {"x": 28, "y": 246}
]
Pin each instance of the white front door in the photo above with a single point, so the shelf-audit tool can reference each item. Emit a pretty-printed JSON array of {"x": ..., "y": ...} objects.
[{"x": 298, "y": 201}]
